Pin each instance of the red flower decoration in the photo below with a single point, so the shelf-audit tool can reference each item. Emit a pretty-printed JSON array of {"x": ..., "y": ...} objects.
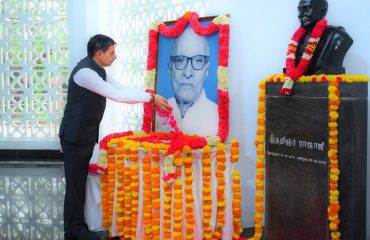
[
  {"x": 199, "y": 29},
  {"x": 176, "y": 29},
  {"x": 148, "y": 115},
  {"x": 223, "y": 118},
  {"x": 152, "y": 50}
]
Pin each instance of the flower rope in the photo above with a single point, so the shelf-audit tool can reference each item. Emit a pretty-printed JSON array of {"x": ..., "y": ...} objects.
[
  {"x": 236, "y": 191},
  {"x": 334, "y": 206},
  {"x": 293, "y": 72},
  {"x": 127, "y": 203},
  {"x": 120, "y": 198},
  {"x": 134, "y": 169},
  {"x": 189, "y": 198},
  {"x": 156, "y": 199},
  {"x": 147, "y": 197},
  {"x": 221, "y": 203},
  {"x": 207, "y": 198},
  {"x": 177, "y": 210},
  {"x": 167, "y": 208}
]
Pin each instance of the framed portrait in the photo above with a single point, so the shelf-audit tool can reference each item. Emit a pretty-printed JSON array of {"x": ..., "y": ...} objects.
[{"x": 187, "y": 64}]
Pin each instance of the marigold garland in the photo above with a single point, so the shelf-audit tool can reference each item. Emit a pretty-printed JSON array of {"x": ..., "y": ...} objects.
[
  {"x": 156, "y": 200},
  {"x": 127, "y": 203},
  {"x": 189, "y": 199},
  {"x": 236, "y": 191},
  {"x": 134, "y": 169},
  {"x": 334, "y": 104},
  {"x": 177, "y": 211},
  {"x": 207, "y": 199},
  {"x": 120, "y": 198},
  {"x": 167, "y": 207},
  {"x": 122, "y": 173},
  {"x": 220, "y": 168},
  {"x": 147, "y": 197}
]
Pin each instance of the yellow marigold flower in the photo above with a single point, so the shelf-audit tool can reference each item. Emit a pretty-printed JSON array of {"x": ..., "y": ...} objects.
[
  {"x": 189, "y": 178},
  {"x": 334, "y": 171},
  {"x": 333, "y": 226},
  {"x": 188, "y": 160},
  {"x": 186, "y": 149},
  {"x": 177, "y": 219},
  {"x": 332, "y": 89},
  {"x": 334, "y": 192},
  {"x": 178, "y": 200},
  {"x": 206, "y": 198},
  {"x": 206, "y": 149},
  {"x": 206, "y": 220},
  {"x": 334, "y": 177},
  {"x": 188, "y": 225},
  {"x": 177, "y": 162},
  {"x": 333, "y": 133},
  {"x": 333, "y": 96},
  {"x": 334, "y": 217},
  {"x": 188, "y": 170},
  {"x": 258, "y": 235},
  {"x": 333, "y": 115},
  {"x": 189, "y": 205},
  {"x": 134, "y": 167}
]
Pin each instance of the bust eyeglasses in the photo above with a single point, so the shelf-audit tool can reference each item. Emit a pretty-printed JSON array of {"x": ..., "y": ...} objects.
[{"x": 197, "y": 62}]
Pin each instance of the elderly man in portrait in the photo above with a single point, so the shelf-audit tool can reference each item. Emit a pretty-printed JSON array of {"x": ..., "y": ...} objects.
[{"x": 188, "y": 68}]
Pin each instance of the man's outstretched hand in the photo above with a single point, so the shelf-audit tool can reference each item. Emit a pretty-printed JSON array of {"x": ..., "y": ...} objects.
[{"x": 161, "y": 103}]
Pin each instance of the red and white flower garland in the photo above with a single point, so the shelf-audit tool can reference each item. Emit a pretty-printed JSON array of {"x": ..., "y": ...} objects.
[
  {"x": 293, "y": 72},
  {"x": 221, "y": 24}
]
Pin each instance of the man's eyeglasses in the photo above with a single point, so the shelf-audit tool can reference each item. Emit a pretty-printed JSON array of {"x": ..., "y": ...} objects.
[{"x": 197, "y": 62}]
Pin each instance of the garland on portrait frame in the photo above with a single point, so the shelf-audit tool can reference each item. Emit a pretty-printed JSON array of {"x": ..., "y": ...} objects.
[{"x": 219, "y": 23}]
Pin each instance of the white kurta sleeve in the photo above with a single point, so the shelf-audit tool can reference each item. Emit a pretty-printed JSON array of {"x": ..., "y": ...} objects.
[{"x": 90, "y": 80}]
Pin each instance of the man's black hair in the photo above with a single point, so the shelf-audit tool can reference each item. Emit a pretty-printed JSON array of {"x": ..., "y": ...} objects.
[{"x": 99, "y": 42}]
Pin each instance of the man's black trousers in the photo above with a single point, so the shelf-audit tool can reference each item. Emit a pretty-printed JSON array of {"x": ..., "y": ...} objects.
[{"x": 76, "y": 163}]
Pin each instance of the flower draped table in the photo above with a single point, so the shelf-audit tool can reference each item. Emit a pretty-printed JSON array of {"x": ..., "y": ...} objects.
[{"x": 169, "y": 186}]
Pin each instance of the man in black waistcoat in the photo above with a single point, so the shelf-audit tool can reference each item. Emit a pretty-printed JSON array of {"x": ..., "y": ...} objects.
[{"x": 88, "y": 88}]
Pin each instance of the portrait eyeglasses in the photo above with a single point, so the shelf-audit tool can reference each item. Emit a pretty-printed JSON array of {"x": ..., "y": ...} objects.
[{"x": 197, "y": 62}]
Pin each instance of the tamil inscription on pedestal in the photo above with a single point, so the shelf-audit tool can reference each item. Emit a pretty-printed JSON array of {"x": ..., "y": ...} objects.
[{"x": 297, "y": 164}]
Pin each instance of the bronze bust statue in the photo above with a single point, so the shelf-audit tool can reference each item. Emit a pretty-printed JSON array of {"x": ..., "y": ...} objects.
[
  {"x": 333, "y": 45},
  {"x": 315, "y": 47}
]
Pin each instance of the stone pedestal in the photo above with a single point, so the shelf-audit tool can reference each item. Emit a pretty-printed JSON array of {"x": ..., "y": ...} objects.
[{"x": 297, "y": 163}]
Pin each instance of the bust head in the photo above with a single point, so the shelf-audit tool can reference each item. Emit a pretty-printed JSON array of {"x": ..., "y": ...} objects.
[{"x": 311, "y": 11}]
